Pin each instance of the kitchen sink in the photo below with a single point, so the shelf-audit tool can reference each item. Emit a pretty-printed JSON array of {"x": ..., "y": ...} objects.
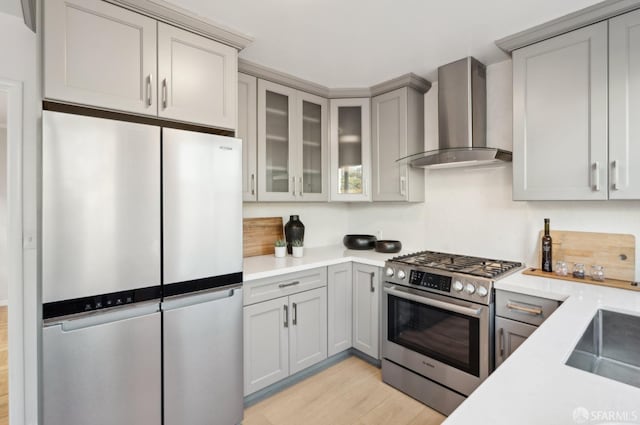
[{"x": 610, "y": 347}]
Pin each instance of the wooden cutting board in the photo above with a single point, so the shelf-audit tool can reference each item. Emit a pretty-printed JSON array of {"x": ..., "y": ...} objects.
[
  {"x": 616, "y": 252},
  {"x": 259, "y": 234}
]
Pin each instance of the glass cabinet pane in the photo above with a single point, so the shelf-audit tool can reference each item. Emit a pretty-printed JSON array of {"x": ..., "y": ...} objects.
[
  {"x": 311, "y": 147},
  {"x": 350, "y": 150},
  {"x": 277, "y": 142}
]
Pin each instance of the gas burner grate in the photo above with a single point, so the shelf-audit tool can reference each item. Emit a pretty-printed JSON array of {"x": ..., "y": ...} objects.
[{"x": 475, "y": 266}]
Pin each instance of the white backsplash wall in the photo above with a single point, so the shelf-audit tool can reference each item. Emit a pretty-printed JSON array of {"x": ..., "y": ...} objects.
[
  {"x": 470, "y": 211},
  {"x": 4, "y": 289},
  {"x": 324, "y": 223}
]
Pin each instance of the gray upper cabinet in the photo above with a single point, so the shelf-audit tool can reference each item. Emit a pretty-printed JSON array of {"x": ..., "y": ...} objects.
[
  {"x": 624, "y": 106},
  {"x": 197, "y": 78},
  {"x": 397, "y": 121},
  {"x": 247, "y": 131},
  {"x": 560, "y": 101},
  {"x": 292, "y": 144},
  {"x": 102, "y": 55},
  {"x": 99, "y": 54}
]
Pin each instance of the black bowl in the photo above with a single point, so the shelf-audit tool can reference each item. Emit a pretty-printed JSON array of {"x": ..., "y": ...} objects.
[
  {"x": 388, "y": 246},
  {"x": 360, "y": 242}
]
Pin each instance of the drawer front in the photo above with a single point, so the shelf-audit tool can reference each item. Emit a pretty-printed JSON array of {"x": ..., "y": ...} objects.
[
  {"x": 524, "y": 308},
  {"x": 279, "y": 286}
]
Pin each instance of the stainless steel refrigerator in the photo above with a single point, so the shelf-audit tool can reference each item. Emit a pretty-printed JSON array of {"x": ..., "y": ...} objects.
[{"x": 142, "y": 274}]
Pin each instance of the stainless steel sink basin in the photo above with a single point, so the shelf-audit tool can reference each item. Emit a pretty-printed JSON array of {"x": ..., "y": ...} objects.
[{"x": 610, "y": 347}]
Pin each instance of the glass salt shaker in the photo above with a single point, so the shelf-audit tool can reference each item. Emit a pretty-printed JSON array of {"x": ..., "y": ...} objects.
[
  {"x": 578, "y": 271},
  {"x": 597, "y": 273},
  {"x": 561, "y": 268}
]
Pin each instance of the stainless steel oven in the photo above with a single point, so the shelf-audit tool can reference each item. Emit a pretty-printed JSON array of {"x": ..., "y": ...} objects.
[
  {"x": 439, "y": 337},
  {"x": 438, "y": 318}
]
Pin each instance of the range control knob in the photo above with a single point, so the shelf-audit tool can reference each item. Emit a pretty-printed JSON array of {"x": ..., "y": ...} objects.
[
  {"x": 401, "y": 274},
  {"x": 389, "y": 272},
  {"x": 470, "y": 288},
  {"x": 457, "y": 286},
  {"x": 482, "y": 291}
]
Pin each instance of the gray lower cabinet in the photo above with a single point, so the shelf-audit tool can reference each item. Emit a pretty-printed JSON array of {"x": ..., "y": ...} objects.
[
  {"x": 517, "y": 317},
  {"x": 339, "y": 307},
  {"x": 509, "y": 335},
  {"x": 285, "y": 326},
  {"x": 397, "y": 130},
  {"x": 366, "y": 309}
]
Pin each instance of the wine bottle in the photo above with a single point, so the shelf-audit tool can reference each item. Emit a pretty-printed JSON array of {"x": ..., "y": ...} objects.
[{"x": 546, "y": 248}]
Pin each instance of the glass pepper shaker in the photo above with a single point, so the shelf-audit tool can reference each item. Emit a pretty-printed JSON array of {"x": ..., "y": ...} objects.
[{"x": 578, "y": 271}]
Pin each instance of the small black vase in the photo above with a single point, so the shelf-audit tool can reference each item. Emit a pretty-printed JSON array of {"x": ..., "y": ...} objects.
[{"x": 293, "y": 231}]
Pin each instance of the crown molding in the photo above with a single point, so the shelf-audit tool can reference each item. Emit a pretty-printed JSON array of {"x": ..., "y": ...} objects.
[
  {"x": 587, "y": 16},
  {"x": 260, "y": 71},
  {"x": 174, "y": 15}
]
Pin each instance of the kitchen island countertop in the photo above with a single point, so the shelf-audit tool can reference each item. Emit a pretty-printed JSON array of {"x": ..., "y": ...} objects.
[{"x": 534, "y": 386}]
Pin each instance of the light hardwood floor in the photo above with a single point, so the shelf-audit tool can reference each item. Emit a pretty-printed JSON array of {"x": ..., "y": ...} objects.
[
  {"x": 350, "y": 392},
  {"x": 4, "y": 368}
]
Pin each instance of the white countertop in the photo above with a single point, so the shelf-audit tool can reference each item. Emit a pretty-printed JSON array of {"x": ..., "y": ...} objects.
[
  {"x": 268, "y": 265},
  {"x": 534, "y": 386}
]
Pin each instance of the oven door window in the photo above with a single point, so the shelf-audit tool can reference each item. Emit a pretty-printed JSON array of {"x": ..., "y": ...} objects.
[{"x": 449, "y": 337}]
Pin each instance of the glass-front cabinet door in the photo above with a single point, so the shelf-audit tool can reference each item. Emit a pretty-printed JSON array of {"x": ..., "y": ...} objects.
[
  {"x": 276, "y": 105},
  {"x": 292, "y": 144},
  {"x": 350, "y": 150}
]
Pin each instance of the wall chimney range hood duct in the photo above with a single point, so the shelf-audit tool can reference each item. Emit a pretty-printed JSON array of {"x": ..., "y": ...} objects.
[{"x": 462, "y": 120}]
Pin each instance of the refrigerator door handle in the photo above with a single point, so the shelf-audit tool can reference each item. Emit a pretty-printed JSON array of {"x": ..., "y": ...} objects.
[
  {"x": 101, "y": 317},
  {"x": 186, "y": 300}
]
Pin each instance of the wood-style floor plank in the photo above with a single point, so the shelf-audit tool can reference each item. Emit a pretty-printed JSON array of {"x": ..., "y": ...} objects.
[{"x": 348, "y": 393}]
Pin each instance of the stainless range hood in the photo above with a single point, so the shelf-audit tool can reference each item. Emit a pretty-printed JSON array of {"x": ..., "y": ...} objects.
[{"x": 462, "y": 119}]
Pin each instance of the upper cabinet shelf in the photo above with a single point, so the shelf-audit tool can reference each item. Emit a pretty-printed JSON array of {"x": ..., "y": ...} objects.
[{"x": 101, "y": 55}]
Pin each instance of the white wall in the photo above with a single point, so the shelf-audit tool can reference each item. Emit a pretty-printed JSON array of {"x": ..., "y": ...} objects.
[
  {"x": 470, "y": 210},
  {"x": 3, "y": 214},
  {"x": 18, "y": 49},
  {"x": 324, "y": 223}
]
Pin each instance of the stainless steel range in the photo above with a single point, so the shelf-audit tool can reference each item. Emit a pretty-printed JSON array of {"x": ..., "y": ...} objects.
[{"x": 438, "y": 314}]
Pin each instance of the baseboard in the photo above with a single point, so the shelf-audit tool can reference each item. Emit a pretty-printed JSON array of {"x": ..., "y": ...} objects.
[
  {"x": 4, "y": 303},
  {"x": 289, "y": 381}
]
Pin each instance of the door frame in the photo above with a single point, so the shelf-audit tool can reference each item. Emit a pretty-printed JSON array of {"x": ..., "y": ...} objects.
[{"x": 14, "y": 93}]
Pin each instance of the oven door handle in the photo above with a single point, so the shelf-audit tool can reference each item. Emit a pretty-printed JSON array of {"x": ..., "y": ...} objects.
[{"x": 473, "y": 312}]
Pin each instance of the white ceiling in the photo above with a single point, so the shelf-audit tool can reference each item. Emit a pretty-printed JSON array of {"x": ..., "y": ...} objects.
[
  {"x": 358, "y": 43},
  {"x": 11, "y": 7}
]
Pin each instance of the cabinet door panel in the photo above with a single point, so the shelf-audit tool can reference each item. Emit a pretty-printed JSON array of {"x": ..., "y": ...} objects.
[
  {"x": 312, "y": 148},
  {"x": 340, "y": 308},
  {"x": 276, "y": 155},
  {"x": 560, "y": 117},
  {"x": 624, "y": 106},
  {"x": 266, "y": 344},
  {"x": 198, "y": 78},
  {"x": 350, "y": 165},
  {"x": 509, "y": 336},
  {"x": 247, "y": 131},
  {"x": 366, "y": 307},
  {"x": 308, "y": 329},
  {"x": 389, "y": 142},
  {"x": 101, "y": 55}
]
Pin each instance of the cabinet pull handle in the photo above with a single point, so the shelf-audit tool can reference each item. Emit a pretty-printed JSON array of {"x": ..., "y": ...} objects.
[
  {"x": 295, "y": 314},
  {"x": 284, "y": 285},
  {"x": 373, "y": 286},
  {"x": 301, "y": 186},
  {"x": 164, "y": 93},
  {"x": 253, "y": 184},
  {"x": 286, "y": 316},
  {"x": 293, "y": 185},
  {"x": 149, "y": 94},
  {"x": 501, "y": 342},
  {"x": 596, "y": 179},
  {"x": 615, "y": 174},
  {"x": 403, "y": 185},
  {"x": 536, "y": 311}
]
